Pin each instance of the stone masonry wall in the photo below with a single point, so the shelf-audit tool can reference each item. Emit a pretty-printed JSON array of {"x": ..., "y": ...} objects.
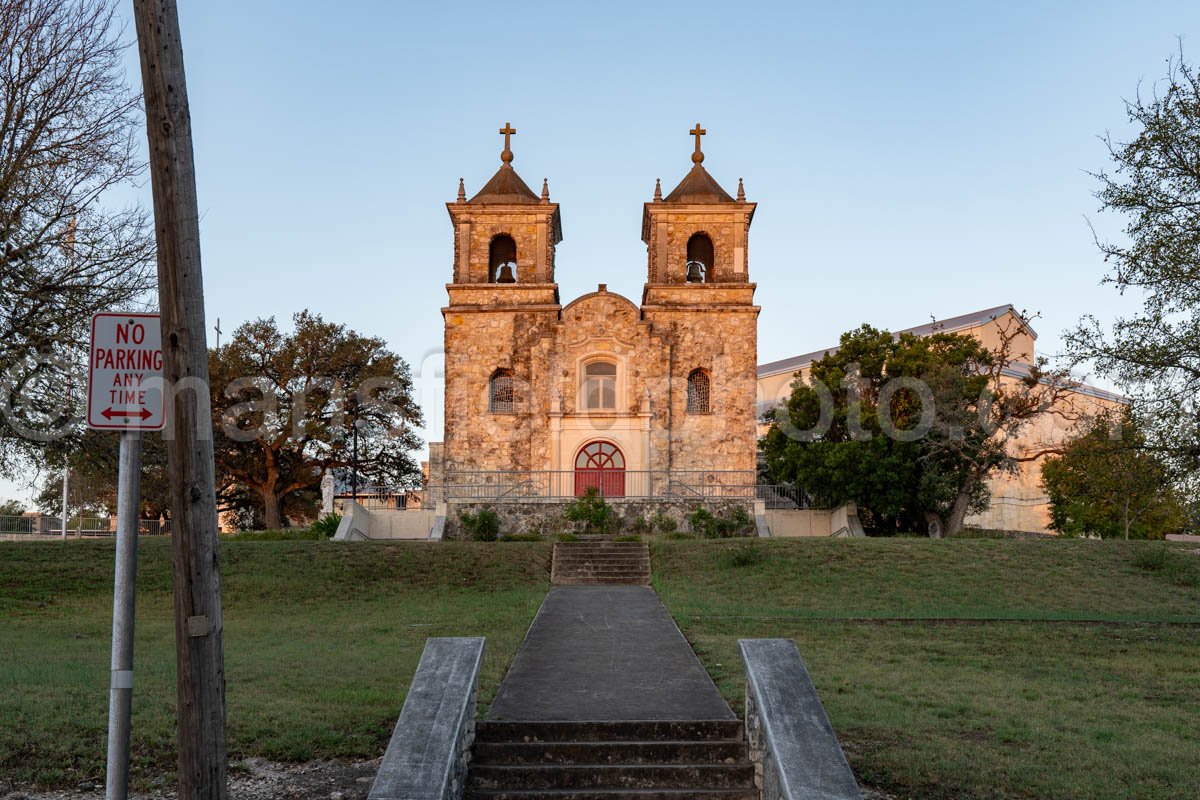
[
  {"x": 547, "y": 518},
  {"x": 476, "y": 345}
]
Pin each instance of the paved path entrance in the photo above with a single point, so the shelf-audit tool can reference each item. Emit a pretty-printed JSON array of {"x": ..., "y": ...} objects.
[{"x": 606, "y": 653}]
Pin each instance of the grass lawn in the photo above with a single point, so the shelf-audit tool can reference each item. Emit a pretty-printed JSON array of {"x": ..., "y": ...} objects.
[
  {"x": 1025, "y": 700},
  {"x": 321, "y": 641},
  {"x": 1057, "y": 679}
]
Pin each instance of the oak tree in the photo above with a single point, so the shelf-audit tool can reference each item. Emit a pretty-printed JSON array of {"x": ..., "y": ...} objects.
[{"x": 286, "y": 406}]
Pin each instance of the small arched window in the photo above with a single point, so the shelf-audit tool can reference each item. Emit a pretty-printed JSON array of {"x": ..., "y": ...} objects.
[
  {"x": 600, "y": 385},
  {"x": 699, "y": 391},
  {"x": 501, "y": 393},
  {"x": 502, "y": 260},
  {"x": 699, "y": 258}
]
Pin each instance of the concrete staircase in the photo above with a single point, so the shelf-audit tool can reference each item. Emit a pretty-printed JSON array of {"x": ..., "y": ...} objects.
[
  {"x": 651, "y": 760},
  {"x": 599, "y": 562}
]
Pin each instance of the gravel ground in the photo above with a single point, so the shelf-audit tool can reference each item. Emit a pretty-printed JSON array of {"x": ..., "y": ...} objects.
[
  {"x": 252, "y": 779},
  {"x": 258, "y": 779}
]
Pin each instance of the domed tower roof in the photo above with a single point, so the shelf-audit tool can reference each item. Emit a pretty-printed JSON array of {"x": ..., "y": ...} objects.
[
  {"x": 506, "y": 185},
  {"x": 698, "y": 186}
]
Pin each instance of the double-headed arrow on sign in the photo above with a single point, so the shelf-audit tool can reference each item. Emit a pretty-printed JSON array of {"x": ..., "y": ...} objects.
[{"x": 109, "y": 413}]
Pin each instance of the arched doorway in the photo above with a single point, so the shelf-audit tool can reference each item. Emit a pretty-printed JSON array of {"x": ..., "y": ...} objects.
[{"x": 600, "y": 466}]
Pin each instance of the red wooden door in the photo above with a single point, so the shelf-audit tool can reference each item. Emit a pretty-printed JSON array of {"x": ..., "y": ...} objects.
[{"x": 600, "y": 466}]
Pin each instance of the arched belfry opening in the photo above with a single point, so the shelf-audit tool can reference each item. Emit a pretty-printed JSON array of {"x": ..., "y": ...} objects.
[
  {"x": 502, "y": 260},
  {"x": 699, "y": 258}
]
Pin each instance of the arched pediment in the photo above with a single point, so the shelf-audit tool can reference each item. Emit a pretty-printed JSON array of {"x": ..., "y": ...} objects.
[{"x": 601, "y": 296}]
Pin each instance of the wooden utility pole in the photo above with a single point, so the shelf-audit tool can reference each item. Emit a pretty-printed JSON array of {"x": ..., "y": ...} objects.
[{"x": 199, "y": 652}]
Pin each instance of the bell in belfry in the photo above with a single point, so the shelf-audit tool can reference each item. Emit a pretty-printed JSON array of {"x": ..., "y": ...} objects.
[
  {"x": 695, "y": 272},
  {"x": 506, "y": 274}
]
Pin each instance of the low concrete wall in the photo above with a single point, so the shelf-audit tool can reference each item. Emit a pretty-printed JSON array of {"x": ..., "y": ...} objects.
[
  {"x": 795, "y": 752},
  {"x": 844, "y": 522},
  {"x": 546, "y": 517},
  {"x": 402, "y": 523},
  {"x": 359, "y": 523},
  {"x": 785, "y": 523},
  {"x": 355, "y": 525},
  {"x": 427, "y": 756},
  {"x": 798, "y": 523}
]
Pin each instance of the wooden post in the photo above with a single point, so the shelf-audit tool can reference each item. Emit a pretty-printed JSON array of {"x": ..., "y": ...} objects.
[{"x": 198, "y": 629}]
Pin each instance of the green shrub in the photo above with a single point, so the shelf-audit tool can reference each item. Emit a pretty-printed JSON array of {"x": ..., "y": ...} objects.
[
  {"x": 1181, "y": 569},
  {"x": 327, "y": 525},
  {"x": 567, "y": 537},
  {"x": 745, "y": 554},
  {"x": 1151, "y": 559},
  {"x": 596, "y": 515},
  {"x": 739, "y": 522},
  {"x": 663, "y": 522},
  {"x": 521, "y": 537},
  {"x": 482, "y": 526},
  {"x": 641, "y": 525},
  {"x": 735, "y": 522},
  {"x": 678, "y": 535},
  {"x": 703, "y": 523},
  {"x": 628, "y": 537}
]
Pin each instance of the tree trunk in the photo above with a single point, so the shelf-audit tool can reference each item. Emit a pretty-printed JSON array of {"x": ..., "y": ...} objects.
[
  {"x": 935, "y": 525},
  {"x": 1125, "y": 517},
  {"x": 271, "y": 516},
  {"x": 958, "y": 514}
]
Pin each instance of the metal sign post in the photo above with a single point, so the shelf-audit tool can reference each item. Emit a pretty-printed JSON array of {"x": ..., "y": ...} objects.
[
  {"x": 125, "y": 393},
  {"x": 120, "y": 695}
]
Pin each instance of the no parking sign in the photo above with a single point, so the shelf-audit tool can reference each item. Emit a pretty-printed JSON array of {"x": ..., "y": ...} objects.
[{"x": 125, "y": 389}]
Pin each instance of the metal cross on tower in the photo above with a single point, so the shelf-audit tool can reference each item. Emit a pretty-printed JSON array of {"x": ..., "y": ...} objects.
[
  {"x": 697, "y": 131},
  {"x": 508, "y": 130}
]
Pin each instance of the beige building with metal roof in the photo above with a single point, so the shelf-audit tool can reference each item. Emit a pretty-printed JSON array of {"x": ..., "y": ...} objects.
[{"x": 1018, "y": 501}]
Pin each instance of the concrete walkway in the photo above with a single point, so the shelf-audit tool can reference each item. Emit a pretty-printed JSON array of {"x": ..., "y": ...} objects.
[{"x": 606, "y": 653}]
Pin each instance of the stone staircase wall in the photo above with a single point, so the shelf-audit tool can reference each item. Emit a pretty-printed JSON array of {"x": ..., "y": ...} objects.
[
  {"x": 652, "y": 760},
  {"x": 600, "y": 562}
]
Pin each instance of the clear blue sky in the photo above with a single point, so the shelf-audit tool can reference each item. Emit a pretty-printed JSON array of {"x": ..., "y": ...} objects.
[{"x": 909, "y": 159}]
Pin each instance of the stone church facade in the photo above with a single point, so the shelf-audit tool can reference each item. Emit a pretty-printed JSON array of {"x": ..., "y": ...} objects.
[{"x": 632, "y": 398}]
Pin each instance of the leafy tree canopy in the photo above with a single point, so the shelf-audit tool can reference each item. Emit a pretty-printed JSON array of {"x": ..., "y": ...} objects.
[
  {"x": 910, "y": 428},
  {"x": 1107, "y": 483},
  {"x": 1154, "y": 183},
  {"x": 286, "y": 405}
]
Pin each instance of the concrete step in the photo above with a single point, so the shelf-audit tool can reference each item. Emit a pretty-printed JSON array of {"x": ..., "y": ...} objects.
[
  {"x": 613, "y": 794},
  {"x": 604, "y": 570},
  {"x": 601, "y": 547},
  {"x": 607, "y": 563},
  {"x": 616, "y": 731},
  {"x": 612, "y": 776},
  {"x": 604, "y": 565},
  {"x": 603, "y": 561},
  {"x": 623, "y": 580},
  {"x": 647, "y": 752}
]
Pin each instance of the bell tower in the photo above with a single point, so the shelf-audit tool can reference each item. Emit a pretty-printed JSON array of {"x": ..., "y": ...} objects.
[
  {"x": 697, "y": 234},
  {"x": 503, "y": 304},
  {"x": 699, "y": 299},
  {"x": 505, "y": 235}
]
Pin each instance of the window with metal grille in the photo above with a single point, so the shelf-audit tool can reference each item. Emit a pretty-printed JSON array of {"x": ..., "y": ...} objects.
[
  {"x": 698, "y": 392},
  {"x": 501, "y": 395}
]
